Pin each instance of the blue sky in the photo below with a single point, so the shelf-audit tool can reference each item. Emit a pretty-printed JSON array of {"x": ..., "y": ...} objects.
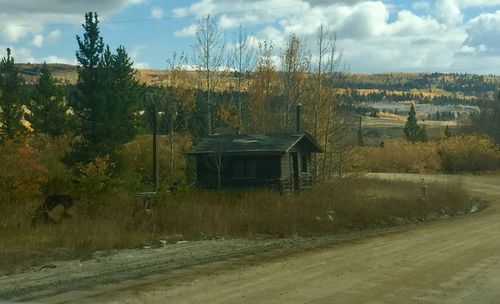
[{"x": 375, "y": 36}]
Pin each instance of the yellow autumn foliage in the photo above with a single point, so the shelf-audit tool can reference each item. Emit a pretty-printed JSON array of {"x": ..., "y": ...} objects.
[
  {"x": 137, "y": 156},
  {"x": 469, "y": 153},
  {"x": 399, "y": 156},
  {"x": 21, "y": 175}
]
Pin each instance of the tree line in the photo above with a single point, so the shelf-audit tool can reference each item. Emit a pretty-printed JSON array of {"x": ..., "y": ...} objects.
[
  {"x": 468, "y": 84},
  {"x": 108, "y": 106}
]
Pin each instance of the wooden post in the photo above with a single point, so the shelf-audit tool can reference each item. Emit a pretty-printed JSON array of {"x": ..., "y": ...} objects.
[{"x": 156, "y": 159}]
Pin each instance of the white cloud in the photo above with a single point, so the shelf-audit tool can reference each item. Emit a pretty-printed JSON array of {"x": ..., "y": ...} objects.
[
  {"x": 134, "y": 55},
  {"x": 189, "y": 31},
  {"x": 477, "y": 3},
  {"x": 201, "y": 8},
  {"x": 484, "y": 30},
  {"x": 38, "y": 40},
  {"x": 19, "y": 54},
  {"x": 12, "y": 32},
  {"x": 54, "y": 36},
  {"x": 371, "y": 40},
  {"x": 56, "y": 59},
  {"x": 421, "y": 5},
  {"x": 156, "y": 12},
  {"x": 24, "y": 55},
  {"x": 21, "y": 18},
  {"x": 141, "y": 65},
  {"x": 448, "y": 12},
  {"x": 135, "y": 51}
]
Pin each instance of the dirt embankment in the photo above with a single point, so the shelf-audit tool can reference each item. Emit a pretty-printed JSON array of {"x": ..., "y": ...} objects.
[{"x": 451, "y": 261}]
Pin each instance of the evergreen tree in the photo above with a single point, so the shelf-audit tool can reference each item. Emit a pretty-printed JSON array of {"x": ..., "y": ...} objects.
[
  {"x": 48, "y": 106},
  {"x": 11, "y": 92},
  {"x": 411, "y": 127},
  {"x": 126, "y": 95},
  {"x": 487, "y": 121},
  {"x": 107, "y": 94},
  {"x": 422, "y": 135},
  {"x": 412, "y": 130},
  {"x": 447, "y": 132}
]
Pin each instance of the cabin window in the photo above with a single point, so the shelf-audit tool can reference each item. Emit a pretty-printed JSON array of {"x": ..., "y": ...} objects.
[
  {"x": 245, "y": 169},
  {"x": 304, "y": 163},
  {"x": 269, "y": 166},
  {"x": 251, "y": 169},
  {"x": 239, "y": 169}
]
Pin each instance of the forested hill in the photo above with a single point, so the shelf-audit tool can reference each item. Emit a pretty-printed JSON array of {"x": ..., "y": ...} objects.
[{"x": 423, "y": 87}]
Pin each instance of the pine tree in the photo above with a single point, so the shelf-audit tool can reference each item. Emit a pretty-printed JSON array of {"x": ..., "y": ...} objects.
[
  {"x": 11, "y": 92},
  {"x": 422, "y": 135},
  {"x": 89, "y": 102},
  {"x": 487, "y": 121},
  {"x": 412, "y": 129},
  {"x": 48, "y": 106},
  {"x": 447, "y": 132},
  {"x": 125, "y": 94},
  {"x": 107, "y": 94}
]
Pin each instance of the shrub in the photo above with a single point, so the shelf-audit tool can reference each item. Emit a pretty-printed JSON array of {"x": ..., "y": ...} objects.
[
  {"x": 21, "y": 176},
  {"x": 94, "y": 183},
  {"x": 137, "y": 158},
  {"x": 469, "y": 153},
  {"x": 399, "y": 156},
  {"x": 51, "y": 151}
]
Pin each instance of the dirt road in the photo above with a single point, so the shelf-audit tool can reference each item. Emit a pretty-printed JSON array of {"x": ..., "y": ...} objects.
[{"x": 449, "y": 261}]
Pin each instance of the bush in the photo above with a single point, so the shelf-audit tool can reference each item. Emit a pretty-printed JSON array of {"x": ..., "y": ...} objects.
[
  {"x": 21, "y": 176},
  {"x": 399, "y": 156},
  {"x": 469, "y": 153},
  {"x": 94, "y": 183},
  {"x": 51, "y": 151},
  {"x": 138, "y": 160}
]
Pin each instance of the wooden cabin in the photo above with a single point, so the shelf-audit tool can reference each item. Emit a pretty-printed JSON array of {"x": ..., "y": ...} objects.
[{"x": 279, "y": 161}]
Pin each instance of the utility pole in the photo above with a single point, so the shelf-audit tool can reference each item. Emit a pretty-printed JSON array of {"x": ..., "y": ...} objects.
[
  {"x": 361, "y": 142},
  {"x": 156, "y": 159},
  {"x": 171, "y": 158}
]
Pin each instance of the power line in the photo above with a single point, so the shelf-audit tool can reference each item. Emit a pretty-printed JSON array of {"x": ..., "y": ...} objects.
[{"x": 196, "y": 16}]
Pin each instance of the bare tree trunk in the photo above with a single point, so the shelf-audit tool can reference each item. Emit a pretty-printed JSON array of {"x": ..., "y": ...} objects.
[
  {"x": 209, "y": 53},
  {"x": 171, "y": 158}
]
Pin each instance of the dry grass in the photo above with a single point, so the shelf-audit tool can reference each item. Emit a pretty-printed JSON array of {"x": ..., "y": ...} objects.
[
  {"x": 338, "y": 206},
  {"x": 399, "y": 156},
  {"x": 467, "y": 153}
]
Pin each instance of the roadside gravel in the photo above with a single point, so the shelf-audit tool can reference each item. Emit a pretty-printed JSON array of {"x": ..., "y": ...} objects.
[{"x": 111, "y": 267}]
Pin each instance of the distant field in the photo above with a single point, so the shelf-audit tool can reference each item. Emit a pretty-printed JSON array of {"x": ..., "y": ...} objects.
[
  {"x": 364, "y": 83},
  {"x": 378, "y": 129}
]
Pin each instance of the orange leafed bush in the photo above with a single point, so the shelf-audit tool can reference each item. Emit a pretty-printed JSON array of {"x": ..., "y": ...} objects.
[{"x": 21, "y": 176}]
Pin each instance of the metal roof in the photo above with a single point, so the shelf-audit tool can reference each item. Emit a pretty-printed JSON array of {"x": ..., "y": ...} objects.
[{"x": 253, "y": 143}]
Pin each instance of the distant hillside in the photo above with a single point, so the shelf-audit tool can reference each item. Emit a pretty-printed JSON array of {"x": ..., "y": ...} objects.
[
  {"x": 64, "y": 72},
  {"x": 392, "y": 87}
]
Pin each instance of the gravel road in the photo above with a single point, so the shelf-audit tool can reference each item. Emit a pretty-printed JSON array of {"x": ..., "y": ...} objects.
[{"x": 449, "y": 261}]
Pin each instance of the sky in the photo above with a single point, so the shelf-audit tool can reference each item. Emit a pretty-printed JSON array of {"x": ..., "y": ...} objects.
[{"x": 374, "y": 36}]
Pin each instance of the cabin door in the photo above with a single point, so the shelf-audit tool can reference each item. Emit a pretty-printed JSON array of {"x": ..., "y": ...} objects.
[{"x": 295, "y": 171}]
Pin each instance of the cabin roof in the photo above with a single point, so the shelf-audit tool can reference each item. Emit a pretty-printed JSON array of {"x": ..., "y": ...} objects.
[{"x": 254, "y": 143}]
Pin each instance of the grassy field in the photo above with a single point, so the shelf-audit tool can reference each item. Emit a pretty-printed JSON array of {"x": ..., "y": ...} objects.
[
  {"x": 338, "y": 206},
  {"x": 378, "y": 129},
  {"x": 68, "y": 73}
]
